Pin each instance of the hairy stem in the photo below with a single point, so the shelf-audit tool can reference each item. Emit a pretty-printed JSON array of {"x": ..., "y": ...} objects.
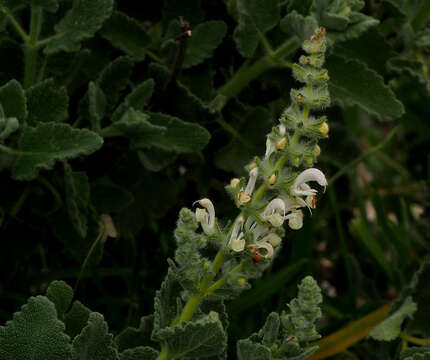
[
  {"x": 246, "y": 73},
  {"x": 21, "y": 32},
  {"x": 31, "y": 46}
]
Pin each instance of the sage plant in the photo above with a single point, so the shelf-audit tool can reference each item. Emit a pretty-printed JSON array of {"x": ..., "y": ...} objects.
[{"x": 279, "y": 189}]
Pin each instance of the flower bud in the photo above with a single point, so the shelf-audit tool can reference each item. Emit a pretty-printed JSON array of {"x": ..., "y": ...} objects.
[
  {"x": 323, "y": 129},
  {"x": 272, "y": 179},
  {"x": 241, "y": 281},
  {"x": 281, "y": 144},
  {"x": 317, "y": 150},
  {"x": 234, "y": 182},
  {"x": 309, "y": 160},
  {"x": 295, "y": 161}
]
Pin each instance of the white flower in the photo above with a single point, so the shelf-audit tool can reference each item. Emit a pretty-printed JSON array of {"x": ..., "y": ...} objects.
[
  {"x": 275, "y": 212},
  {"x": 271, "y": 146},
  {"x": 300, "y": 186},
  {"x": 245, "y": 197},
  {"x": 295, "y": 219},
  {"x": 237, "y": 242},
  {"x": 255, "y": 249},
  {"x": 272, "y": 239},
  {"x": 206, "y": 218}
]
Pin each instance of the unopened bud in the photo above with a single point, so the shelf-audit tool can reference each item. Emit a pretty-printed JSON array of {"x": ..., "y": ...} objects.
[
  {"x": 299, "y": 98},
  {"x": 309, "y": 160},
  {"x": 323, "y": 129},
  {"x": 206, "y": 265},
  {"x": 296, "y": 161},
  {"x": 272, "y": 179},
  {"x": 317, "y": 150},
  {"x": 241, "y": 281},
  {"x": 253, "y": 166},
  {"x": 234, "y": 182},
  {"x": 325, "y": 75},
  {"x": 281, "y": 144}
]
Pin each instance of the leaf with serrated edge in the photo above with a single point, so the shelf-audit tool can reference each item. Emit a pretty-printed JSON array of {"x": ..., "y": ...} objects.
[
  {"x": 181, "y": 136},
  {"x": 34, "y": 333},
  {"x": 139, "y": 353},
  {"x": 353, "y": 83},
  {"x": 13, "y": 101},
  {"x": 205, "y": 39},
  {"x": 42, "y": 146},
  {"x": 80, "y": 23},
  {"x": 201, "y": 338},
  {"x": 76, "y": 319},
  {"x": 7, "y": 127},
  {"x": 94, "y": 342},
  {"x": 126, "y": 34},
  {"x": 46, "y": 102},
  {"x": 390, "y": 328},
  {"x": 248, "y": 350},
  {"x": 61, "y": 295}
]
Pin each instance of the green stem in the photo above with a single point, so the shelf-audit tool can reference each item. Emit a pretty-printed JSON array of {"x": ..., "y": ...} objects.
[
  {"x": 21, "y": 32},
  {"x": 87, "y": 258},
  {"x": 246, "y": 73},
  {"x": 422, "y": 17},
  {"x": 164, "y": 354},
  {"x": 414, "y": 340},
  {"x": 222, "y": 280},
  {"x": 31, "y": 48},
  {"x": 363, "y": 156},
  {"x": 18, "y": 205}
]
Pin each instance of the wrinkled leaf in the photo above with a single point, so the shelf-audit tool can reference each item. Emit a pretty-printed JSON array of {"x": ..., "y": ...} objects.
[
  {"x": 353, "y": 83},
  {"x": 34, "y": 333},
  {"x": 13, "y": 100},
  {"x": 7, "y": 127},
  {"x": 42, "y": 146},
  {"x": 61, "y": 295}
]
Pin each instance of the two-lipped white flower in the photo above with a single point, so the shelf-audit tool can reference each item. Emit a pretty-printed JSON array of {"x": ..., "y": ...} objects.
[
  {"x": 295, "y": 219},
  {"x": 206, "y": 216},
  {"x": 245, "y": 196},
  {"x": 300, "y": 186},
  {"x": 275, "y": 212},
  {"x": 237, "y": 242}
]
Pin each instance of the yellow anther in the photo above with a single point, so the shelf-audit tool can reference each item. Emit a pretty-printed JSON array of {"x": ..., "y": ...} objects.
[
  {"x": 323, "y": 129},
  {"x": 272, "y": 179},
  {"x": 281, "y": 144},
  {"x": 234, "y": 182},
  {"x": 317, "y": 150}
]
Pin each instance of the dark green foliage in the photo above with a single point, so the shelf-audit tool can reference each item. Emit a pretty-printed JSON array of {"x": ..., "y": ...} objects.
[{"x": 13, "y": 100}]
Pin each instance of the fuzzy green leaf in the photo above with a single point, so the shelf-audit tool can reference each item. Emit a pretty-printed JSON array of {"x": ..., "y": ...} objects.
[
  {"x": 42, "y": 146},
  {"x": 96, "y": 106},
  {"x": 94, "y": 342},
  {"x": 34, "y": 333},
  {"x": 270, "y": 330},
  {"x": 248, "y": 350},
  {"x": 410, "y": 66},
  {"x": 46, "y": 102},
  {"x": 135, "y": 124},
  {"x": 114, "y": 78},
  {"x": 166, "y": 303},
  {"x": 61, "y": 295},
  {"x": 303, "y": 27},
  {"x": 76, "y": 319},
  {"x": 7, "y": 127},
  {"x": 156, "y": 159},
  {"x": 77, "y": 198},
  {"x": 80, "y": 23},
  {"x": 126, "y": 34},
  {"x": 13, "y": 100},
  {"x": 353, "y": 83},
  {"x": 254, "y": 16},
  {"x": 132, "y": 337},
  {"x": 137, "y": 99},
  {"x": 195, "y": 339},
  {"x": 181, "y": 136},
  {"x": 139, "y": 353},
  {"x": 206, "y": 37},
  {"x": 415, "y": 353},
  {"x": 390, "y": 328}
]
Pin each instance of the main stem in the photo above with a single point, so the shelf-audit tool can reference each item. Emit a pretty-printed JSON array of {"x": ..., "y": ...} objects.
[{"x": 31, "y": 46}]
